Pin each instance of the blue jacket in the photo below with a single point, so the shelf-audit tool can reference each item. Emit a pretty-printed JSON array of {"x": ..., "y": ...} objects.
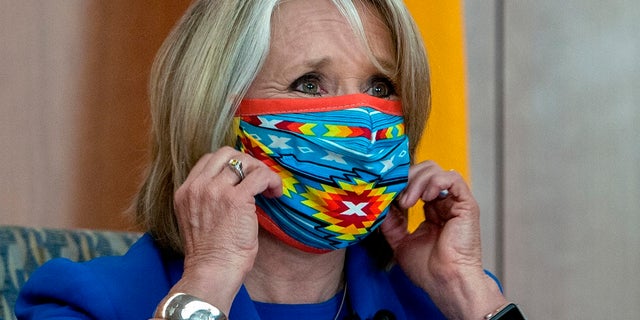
[{"x": 130, "y": 287}]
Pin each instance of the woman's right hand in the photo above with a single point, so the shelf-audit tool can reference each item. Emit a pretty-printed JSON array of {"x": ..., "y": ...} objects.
[{"x": 216, "y": 214}]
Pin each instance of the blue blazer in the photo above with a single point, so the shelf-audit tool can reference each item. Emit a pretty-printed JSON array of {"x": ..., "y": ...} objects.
[{"x": 131, "y": 286}]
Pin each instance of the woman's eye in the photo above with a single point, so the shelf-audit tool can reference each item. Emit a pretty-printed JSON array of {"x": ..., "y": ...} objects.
[
  {"x": 381, "y": 88},
  {"x": 308, "y": 84}
]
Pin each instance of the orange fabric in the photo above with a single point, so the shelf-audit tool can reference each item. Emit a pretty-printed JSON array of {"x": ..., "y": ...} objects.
[
  {"x": 252, "y": 107},
  {"x": 446, "y": 138},
  {"x": 265, "y": 222}
]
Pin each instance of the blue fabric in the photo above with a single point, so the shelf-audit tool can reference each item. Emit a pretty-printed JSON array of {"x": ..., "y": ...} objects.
[
  {"x": 24, "y": 249},
  {"x": 130, "y": 287},
  {"x": 317, "y": 311}
]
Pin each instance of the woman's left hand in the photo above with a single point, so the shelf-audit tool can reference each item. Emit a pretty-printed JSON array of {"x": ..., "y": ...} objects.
[{"x": 443, "y": 255}]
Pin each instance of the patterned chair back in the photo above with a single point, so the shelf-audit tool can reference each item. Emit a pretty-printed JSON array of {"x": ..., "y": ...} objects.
[{"x": 24, "y": 249}]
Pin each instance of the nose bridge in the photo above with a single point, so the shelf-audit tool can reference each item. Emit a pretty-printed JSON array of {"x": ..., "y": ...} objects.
[
  {"x": 364, "y": 118},
  {"x": 348, "y": 85},
  {"x": 371, "y": 124}
]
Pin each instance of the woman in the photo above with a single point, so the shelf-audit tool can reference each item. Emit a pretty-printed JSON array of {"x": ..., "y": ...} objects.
[{"x": 281, "y": 141}]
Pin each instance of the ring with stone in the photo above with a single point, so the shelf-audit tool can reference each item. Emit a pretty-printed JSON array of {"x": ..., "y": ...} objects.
[{"x": 236, "y": 166}]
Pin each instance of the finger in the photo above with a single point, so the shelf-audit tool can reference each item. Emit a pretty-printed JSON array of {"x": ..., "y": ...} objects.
[
  {"x": 440, "y": 185},
  {"x": 260, "y": 179},
  {"x": 237, "y": 167},
  {"x": 447, "y": 185},
  {"x": 419, "y": 175},
  {"x": 458, "y": 201},
  {"x": 251, "y": 175},
  {"x": 230, "y": 166},
  {"x": 394, "y": 227},
  {"x": 427, "y": 181},
  {"x": 211, "y": 164},
  {"x": 214, "y": 172}
]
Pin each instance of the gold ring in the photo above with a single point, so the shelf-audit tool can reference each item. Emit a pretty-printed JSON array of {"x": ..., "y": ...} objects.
[{"x": 236, "y": 166}]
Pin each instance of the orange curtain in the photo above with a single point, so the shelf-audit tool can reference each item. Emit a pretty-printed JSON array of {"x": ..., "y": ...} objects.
[{"x": 445, "y": 140}]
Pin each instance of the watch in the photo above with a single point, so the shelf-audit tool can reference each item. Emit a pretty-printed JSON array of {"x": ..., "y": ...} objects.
[
  {"x": 509, "y": 311},
  {"x": 182, "y": 306}
]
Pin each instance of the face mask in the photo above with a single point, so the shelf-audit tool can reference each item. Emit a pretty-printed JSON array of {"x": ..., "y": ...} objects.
[{"x": 342, "y": 161}]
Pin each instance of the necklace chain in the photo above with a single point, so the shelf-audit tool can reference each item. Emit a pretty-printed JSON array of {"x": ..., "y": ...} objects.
[{"x": 344, "y": 296}]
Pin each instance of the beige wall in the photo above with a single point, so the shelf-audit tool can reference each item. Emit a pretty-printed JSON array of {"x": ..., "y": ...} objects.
[
  {"x": 569, "y": 158},
  {"x": 73, "y": 77}
]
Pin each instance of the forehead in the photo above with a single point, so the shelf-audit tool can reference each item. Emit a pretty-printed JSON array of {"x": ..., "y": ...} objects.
[{"x": 319, "y": 26}]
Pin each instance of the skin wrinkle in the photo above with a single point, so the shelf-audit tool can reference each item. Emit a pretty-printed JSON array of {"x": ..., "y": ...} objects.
[{"x": 341, "y": 61}]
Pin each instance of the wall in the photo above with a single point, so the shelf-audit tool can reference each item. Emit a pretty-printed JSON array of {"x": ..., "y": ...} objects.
[
  {"x": 555, "y": 141},
  {"x": 73, "y": 79}
]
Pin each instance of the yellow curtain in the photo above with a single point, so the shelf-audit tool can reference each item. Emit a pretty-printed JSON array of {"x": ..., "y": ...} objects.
[{"x": 445, "y": 140}]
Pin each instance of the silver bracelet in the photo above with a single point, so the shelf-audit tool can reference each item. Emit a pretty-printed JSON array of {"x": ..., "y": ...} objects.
[{"x": 182, "y": 306}]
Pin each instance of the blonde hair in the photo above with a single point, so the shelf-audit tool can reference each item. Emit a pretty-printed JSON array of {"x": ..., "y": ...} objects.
[{"x": 202, "y": 72}]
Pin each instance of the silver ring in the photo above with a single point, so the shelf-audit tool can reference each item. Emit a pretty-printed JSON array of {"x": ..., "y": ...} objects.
[
  {"x": 443, "y": 194},
  {"x": 236, "y": 166}
]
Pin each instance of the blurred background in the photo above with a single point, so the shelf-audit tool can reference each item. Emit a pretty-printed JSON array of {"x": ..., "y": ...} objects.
[{"x": 553, "y": 108}]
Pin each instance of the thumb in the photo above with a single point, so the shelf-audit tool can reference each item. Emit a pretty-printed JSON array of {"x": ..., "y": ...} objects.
[{"x": 394, "y": 227}]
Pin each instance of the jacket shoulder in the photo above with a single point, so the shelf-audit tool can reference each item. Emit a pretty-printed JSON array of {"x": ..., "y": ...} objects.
[{"x": 116, "y": 287}]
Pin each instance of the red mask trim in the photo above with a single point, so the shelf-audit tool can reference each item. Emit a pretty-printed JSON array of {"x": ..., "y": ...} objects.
[
  {"x": 252, "y": 107},
  {"x": 266, "y": 223}
]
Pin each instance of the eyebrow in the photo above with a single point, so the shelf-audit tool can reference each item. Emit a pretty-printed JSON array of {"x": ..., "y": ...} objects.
[
  {"x": 390, "y": 68},
  {"x": 317, "y": 63}
]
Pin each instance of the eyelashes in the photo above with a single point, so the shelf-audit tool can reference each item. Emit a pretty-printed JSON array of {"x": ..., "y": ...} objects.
[
  {"x": 313, "y": 84},
  {"x": 381, "y": 87},
  {"x": 309, "y": 83}
]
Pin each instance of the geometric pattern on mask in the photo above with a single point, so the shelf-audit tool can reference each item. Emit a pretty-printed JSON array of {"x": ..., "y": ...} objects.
[
  {"x": 351, "y": 209},
  {"x": 338, "y": 179},
  {"x": 328, "y": 130}
]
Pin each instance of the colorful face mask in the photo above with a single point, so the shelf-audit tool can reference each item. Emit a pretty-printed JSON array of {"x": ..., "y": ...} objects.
[{"x": 342, "y": 161}]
